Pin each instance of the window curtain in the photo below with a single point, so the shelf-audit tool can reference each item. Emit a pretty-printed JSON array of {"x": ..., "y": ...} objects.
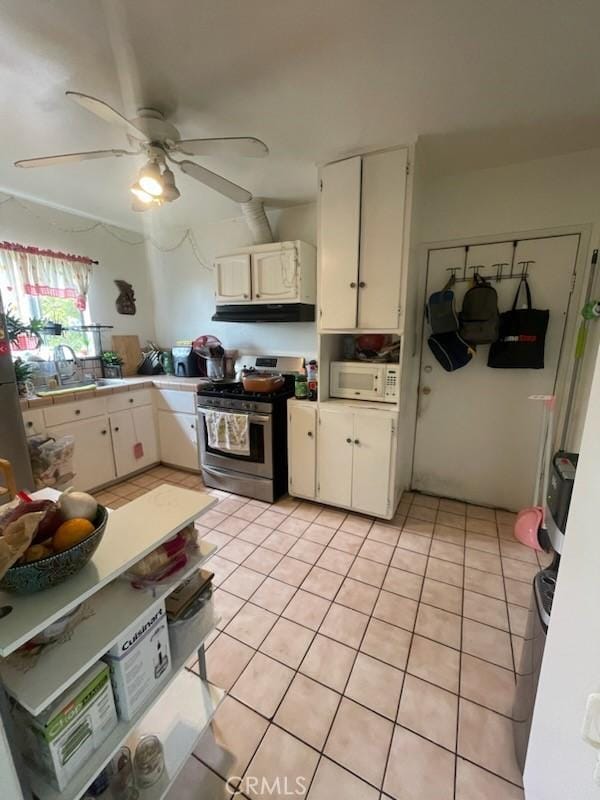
[{"x": 29, "y": 270}]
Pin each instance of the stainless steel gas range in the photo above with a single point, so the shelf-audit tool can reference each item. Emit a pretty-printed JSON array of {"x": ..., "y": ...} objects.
[{"x": 260, "y": 471}]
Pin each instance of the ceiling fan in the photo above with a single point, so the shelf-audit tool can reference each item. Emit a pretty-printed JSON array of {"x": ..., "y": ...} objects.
[{"x": 152, "y": 135}]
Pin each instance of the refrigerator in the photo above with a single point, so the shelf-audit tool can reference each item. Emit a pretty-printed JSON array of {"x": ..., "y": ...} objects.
[{"x": 13, "y": 443}]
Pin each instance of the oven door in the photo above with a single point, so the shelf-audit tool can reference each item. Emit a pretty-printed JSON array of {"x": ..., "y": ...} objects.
[
  {"x": 357, "y": 381},
  {"x": 258, "y": 462}
]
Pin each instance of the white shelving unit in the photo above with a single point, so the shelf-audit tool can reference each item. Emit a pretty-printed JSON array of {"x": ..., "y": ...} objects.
[{"x": 181, "y": 709}]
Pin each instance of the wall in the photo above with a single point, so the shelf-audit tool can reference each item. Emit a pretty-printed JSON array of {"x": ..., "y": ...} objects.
[
  {"x": 31, "y": 223},
  {"x": 536, "y": 195},
  {"x": 559, "y": 763},
  {"x": 184, "y": 290}
]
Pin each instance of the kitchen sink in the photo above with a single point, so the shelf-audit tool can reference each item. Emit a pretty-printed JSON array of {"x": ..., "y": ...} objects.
[{"x": 109, "y": 381}]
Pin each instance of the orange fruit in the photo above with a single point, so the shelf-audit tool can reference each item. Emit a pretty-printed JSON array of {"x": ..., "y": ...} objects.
[{"x": 71, "y": 532}]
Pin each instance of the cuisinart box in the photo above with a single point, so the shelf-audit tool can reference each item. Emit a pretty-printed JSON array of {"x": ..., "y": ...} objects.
[
  {"x": 63, "y": 737},
  {"x": 140, "y": 661}
]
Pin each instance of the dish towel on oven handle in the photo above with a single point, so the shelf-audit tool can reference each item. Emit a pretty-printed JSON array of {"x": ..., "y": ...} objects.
[{"x": 228, "y": 432}]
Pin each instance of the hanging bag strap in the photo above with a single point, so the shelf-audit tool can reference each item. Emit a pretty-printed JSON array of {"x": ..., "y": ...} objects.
[{"x": 522, "y": 282}]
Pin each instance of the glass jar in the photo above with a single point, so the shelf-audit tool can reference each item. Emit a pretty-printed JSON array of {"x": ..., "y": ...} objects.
[{"x": 300, "y": 387}]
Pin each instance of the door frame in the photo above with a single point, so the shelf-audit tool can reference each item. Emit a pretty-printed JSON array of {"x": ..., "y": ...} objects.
[{"x": 565, "y": 369}]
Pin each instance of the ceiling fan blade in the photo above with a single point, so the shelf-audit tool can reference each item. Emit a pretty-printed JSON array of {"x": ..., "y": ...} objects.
[
  {"x": 216, "y": 182},
  {"x": 226, "y": 146},
  {"x": 65, "y": 158},
  {"x": 107, "y": 113}
]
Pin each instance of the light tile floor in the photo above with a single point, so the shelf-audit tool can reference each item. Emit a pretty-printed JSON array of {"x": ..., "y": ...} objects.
[{"x": 363, "y": 659}]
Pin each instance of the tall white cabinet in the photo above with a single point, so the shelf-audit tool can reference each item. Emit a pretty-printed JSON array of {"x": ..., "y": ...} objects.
[{"x": 348, "y": 453}]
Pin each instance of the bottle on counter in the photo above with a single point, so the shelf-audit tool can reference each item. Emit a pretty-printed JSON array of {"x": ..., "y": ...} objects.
[
  {"x": 300, "y": 387},
  {"x": 312, "y": 378}
]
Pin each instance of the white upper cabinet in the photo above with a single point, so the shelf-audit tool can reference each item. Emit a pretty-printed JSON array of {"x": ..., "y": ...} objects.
[
  {"x": 232, "y": 276},
  {"x": 361, "y": 241},
  {"x": 281, "y": 272},
  {"x": 339, "y": 219},
  {"x": 275, "y": 276},
  {"x": 381, "y": 239}
]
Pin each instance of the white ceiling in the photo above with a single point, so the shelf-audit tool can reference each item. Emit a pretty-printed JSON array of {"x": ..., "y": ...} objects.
[{"x": 484, "y": 82}]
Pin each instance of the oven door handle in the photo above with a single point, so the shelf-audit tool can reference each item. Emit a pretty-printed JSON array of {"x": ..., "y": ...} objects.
[{"x": 257, "y": 419}]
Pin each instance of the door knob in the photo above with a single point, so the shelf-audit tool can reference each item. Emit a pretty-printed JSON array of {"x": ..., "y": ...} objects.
[
  {"x": 426, "y": 390},
  {"x": 353, "y": 285}
]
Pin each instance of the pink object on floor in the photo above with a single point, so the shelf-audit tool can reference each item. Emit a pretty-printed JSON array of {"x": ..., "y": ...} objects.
[{"x": 527, "y": 526}]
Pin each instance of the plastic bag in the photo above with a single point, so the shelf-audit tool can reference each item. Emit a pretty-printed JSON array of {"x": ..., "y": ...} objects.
[
  {"x": 167, "y": 559},
  {"x": 51, "y": 460}
]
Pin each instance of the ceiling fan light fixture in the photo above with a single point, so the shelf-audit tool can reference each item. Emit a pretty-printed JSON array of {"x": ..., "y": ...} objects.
[
  {"x": 150, "y": 179},
  {"x": 139, "y": 193},
  {"x": 170, "y": 191}
]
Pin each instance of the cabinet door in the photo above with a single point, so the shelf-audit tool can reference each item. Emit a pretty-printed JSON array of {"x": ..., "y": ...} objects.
[
  {"x": 302, "y": 449},
  {"x": 381, "y": 238},
  {"x": 335, "y": 456},
  {"x": 275, "y": 276},
  {"x": 145, "y": 434},
  {"x": 339, "y": 229},
  {"x": 93, "y": 461},
  {"x": 232, "y": 276},
  {"x": 177, "y": 437},
  {"x": 123, "y": 439},
  {"x": 372, "y": 446}
]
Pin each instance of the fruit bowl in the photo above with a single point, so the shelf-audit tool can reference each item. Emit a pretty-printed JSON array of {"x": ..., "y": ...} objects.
[{"x": 54, "y": 569}]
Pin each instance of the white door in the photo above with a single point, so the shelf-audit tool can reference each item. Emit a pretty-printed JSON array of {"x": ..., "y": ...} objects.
[
  {"x": 124, "y": 440},
  {"x": 339, "y": 231},
  {"x": 275, "y": 276},
  {"x": 93, "y": 462},
  {"x": 232, "y": 279},
  {"x": 144, "y": 426},
  {"x": 302, "y": 449},
  {"x": 477, "y": 433},
  {"x": 335, "y": 432},
  {"x": 178, "y": 442},
  {"x": 372, "y": 445},
  {"x": 381, "y": 238}
]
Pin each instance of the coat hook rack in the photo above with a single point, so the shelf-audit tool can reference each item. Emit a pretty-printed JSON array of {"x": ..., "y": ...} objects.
[{"x": 499, "y": 274}]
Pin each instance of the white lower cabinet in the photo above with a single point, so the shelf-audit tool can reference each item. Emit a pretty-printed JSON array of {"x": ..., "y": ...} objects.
[
  {"x": 178, "y": 440},
  {"x": 302, "y": 449},
  {"x": 134, "y": 439},
  {"x": 355, "y": 459},
  {"x": 93, "y": 461}
]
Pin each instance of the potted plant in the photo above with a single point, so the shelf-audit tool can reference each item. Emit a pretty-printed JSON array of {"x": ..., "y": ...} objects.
[
  {"x": 23, "y": 336},
  {"x": 23, "y": 373},
  {"x": 111, "y": 364}
]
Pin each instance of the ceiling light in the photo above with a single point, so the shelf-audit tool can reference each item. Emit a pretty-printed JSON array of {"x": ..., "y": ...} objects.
[
  {"x": 170, "y": 191},
  {"x": 140, "y": 194},
  {"x": 150, "y": 179}
]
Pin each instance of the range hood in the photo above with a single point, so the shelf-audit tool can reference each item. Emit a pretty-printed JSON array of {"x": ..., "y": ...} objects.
[{"x": 265, "y": 312}]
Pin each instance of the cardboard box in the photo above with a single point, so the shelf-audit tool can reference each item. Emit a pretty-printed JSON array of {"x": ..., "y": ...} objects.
[
  {"x": 62, "y": 738},
  {"x": 140, "y": 661}
]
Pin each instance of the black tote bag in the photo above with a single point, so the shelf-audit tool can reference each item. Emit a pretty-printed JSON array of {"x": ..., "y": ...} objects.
[{"x": 522, "y": 336}]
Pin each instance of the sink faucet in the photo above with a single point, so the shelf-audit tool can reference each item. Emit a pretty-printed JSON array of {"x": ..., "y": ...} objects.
[{"x": 68, "y": 365}]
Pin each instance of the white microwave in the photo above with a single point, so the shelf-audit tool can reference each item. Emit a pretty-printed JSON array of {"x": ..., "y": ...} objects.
[{"x": 361, "y": 380}]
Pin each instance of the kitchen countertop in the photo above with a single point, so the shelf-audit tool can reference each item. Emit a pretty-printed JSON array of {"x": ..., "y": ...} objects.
[{"x": 128, "y": 385}]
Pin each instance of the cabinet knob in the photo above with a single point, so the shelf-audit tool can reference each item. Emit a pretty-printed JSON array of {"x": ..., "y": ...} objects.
[
  {"x": 104, "y": 432},
  {"x": 116, "y": 429},
  {"x": 356, "y": 441},
  {"x": 131, "y": 399},
  {"x": 353, "y": 285},
  {"x": 349, "y": 441},
  {"x": 362, "y": 285},
  {"x": 192, "y": 426},
  {"x": 309, "y": 433},
  {"x": 77, "y": 411},
  {"x": 246, "y": 297},
  {"x": 257, "y": 295},
  {"x": 30, "y": 424}
]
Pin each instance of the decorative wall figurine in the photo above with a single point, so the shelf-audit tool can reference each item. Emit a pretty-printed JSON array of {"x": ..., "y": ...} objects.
[{"x": 125, "y": 302}]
